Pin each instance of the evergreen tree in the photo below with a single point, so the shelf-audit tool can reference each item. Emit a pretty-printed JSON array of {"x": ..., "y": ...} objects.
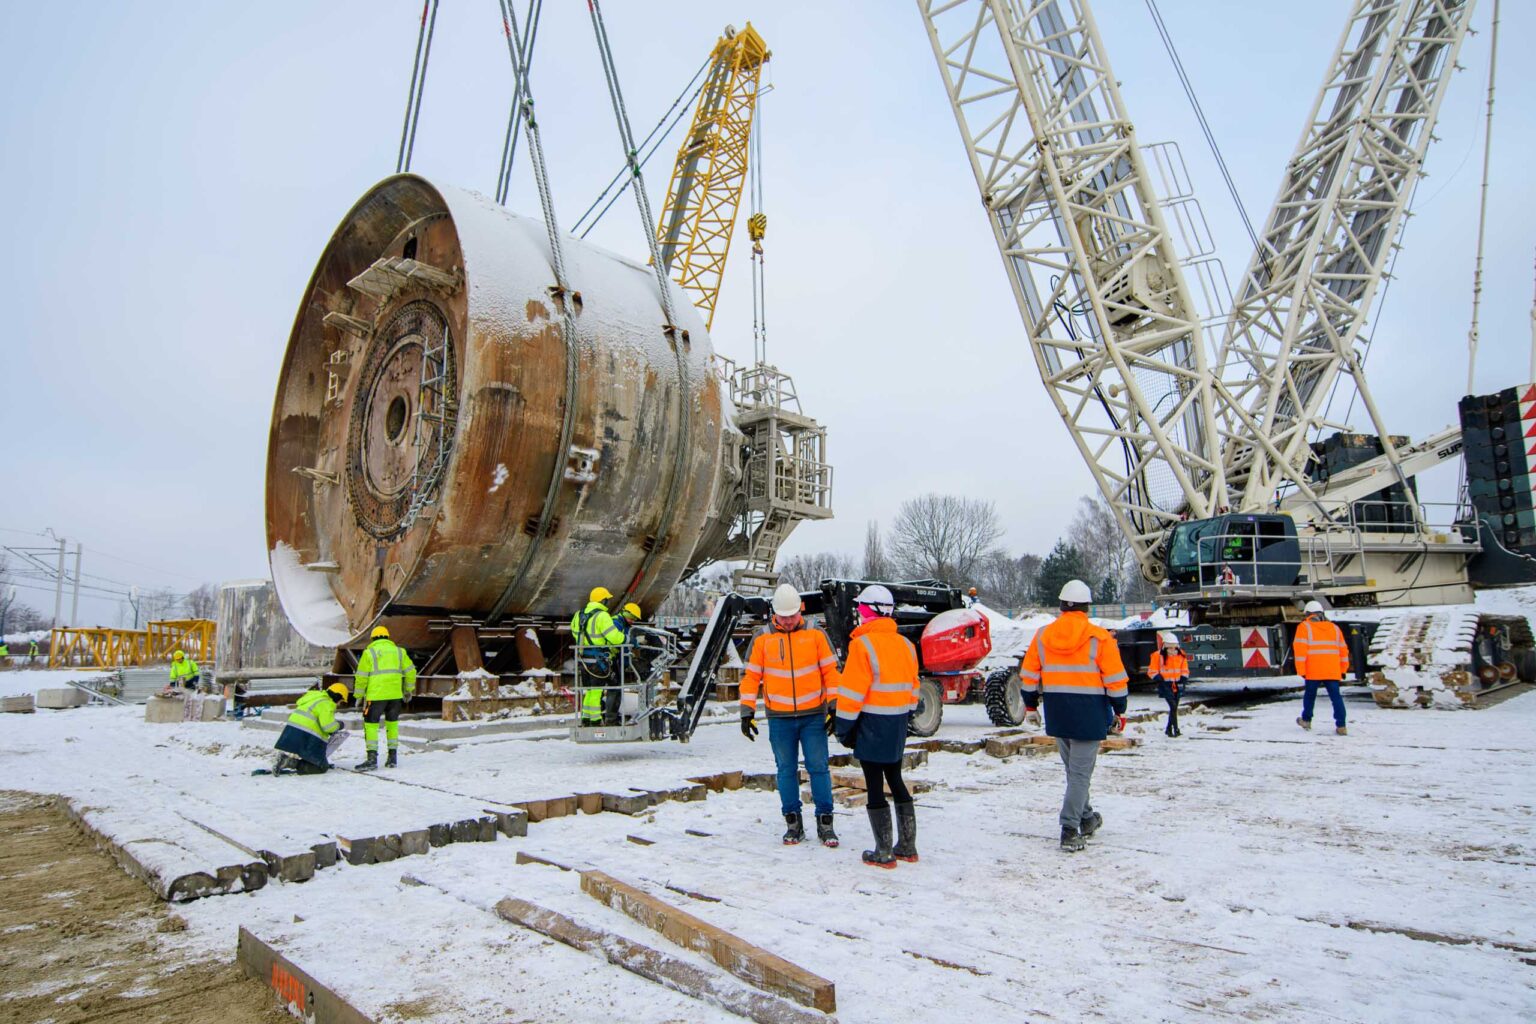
[{"x": 1064, "y": 563}]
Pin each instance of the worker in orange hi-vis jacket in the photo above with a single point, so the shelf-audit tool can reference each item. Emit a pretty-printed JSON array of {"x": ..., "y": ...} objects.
[
  {"x": 874, "y": 703},
  {"x": 1322, "y": 659},
  {"x": 1170, "y": 667},
  {"x": 794, "y": 665},
  {"x": 1077, "y": 665}
]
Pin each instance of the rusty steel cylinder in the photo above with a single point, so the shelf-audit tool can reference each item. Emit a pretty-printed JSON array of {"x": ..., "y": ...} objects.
[{"x": 418, "y": 425}]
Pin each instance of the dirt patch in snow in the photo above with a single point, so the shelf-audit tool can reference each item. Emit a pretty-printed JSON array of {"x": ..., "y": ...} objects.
[{"x": 78, "y": 937}]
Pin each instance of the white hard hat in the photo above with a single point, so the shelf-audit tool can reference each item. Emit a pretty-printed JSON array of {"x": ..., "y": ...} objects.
[
  {"x": 1169, "y": 639},
  {"x": 1075, "y": 592},
  {"x": 1314, "y": 607},
  {"x": 876, "y": 595},
  {"x": 786, "y": 600}
]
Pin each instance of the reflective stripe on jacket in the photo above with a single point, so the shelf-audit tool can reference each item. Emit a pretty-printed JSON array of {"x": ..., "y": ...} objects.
[
  {"x": 878, "y": 692},
  {"x": 796, "y": 670},
  {"x": 384, "y": 672},
  {"x": 186, "y": 668},
  {"x": 1077, "y": 665},
  {"x": 1173, "y": 668},
  {"x": 593, "y": 626},
  {"x": 315, "y": 713},
  {"x": 1320, "y": 650}
]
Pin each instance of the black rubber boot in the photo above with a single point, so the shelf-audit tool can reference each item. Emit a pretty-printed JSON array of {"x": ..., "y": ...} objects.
[
  {"x": 390, "y": 762},
  {"x": 1072, "y": 840},
  {"x": 369, "y": 763},
  {"x": 880, "y": 821},
  {"x": 824, "y": 830},
  {"x": 906, "y": 833},
  {"x": 286, "y": 763},
  {"x": 1090, "y": 824},
  {"x": 796, "y": 830}
]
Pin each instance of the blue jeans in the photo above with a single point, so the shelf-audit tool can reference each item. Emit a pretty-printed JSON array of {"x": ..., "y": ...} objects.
[
  {"x": 789, "y": 737},
  {"x": 1309, "y": 700}
]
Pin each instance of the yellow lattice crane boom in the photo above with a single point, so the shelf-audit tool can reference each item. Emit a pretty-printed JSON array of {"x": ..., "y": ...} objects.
[{"x": 700, "y": 212}]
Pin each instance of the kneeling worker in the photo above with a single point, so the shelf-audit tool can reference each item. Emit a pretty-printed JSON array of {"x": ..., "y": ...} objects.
[
  {"x": 386, "y": 679},
  {"x": 794, "y": 665},
  {"x": 312, "y": 732},
  {"x": 184, "y": 671}
]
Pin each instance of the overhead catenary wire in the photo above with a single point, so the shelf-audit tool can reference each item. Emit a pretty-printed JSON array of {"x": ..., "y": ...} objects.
[
  {"x": 418, "y": 86},
  {"x": 1205, "y": 126}
]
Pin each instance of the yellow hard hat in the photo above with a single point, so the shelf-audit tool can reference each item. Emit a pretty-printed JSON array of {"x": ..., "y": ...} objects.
[
  {"x": 600, "y": 594},
  {"x": 339, "y": 689},
  {"x": 178, "y": 655},
  {"x": 633, "y": 611},
  {"x": 379, "y": 631}
]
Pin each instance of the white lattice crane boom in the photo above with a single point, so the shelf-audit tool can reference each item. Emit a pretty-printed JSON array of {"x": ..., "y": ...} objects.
[
  {"x": 1110, "y": 319},
  {"x": 1306, "y": 296}
]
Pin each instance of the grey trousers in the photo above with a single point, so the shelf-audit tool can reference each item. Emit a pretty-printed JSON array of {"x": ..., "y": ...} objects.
[{"x": 1078, "y": 757}]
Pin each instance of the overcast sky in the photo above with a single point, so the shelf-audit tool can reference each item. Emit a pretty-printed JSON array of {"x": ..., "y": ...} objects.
[{"x": 174, "y": 170}]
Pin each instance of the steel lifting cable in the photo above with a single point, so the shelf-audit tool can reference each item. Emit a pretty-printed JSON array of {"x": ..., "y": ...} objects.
[
  {"x": 663, "y": 284},
  {"x": 757, "y": 228},
  {"x": 418, "y": 86},
  {"x": 1482, "y": 208},
  {"x": 1205, "y": 126},
  {"x": 687, "y": 96},
  {"x": 514, "y": 123},
  {"x": 567, "y": 304}
]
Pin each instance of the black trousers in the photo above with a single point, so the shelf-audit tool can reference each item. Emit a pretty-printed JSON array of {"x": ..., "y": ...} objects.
[
  {"x": 384, "y": 710},
  {"x": 1173, "y": 714},
  {"x": 877, "y": 777}
]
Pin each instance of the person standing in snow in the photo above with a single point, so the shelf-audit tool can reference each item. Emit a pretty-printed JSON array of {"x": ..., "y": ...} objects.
[
  {"x": 1322, "y": 658},
  {"x": 874, "y": 703},
  {"x": 5, "y": 654},
  {"x": 385, "y": 680},
  {"x": 1077, "y": 665},
  {"x": 1170, "y": 667},
  {"x": 794, "y": 665},
  {"x": 32, "y": 652}
]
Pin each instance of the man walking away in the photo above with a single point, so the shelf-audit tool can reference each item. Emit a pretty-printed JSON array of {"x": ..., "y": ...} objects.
[
  {"x": 1322, "y": 658},
  {"x": 874, "y": 703},
  {"x": 1077, "y": 666},
  {"x": 32, "y": 653},
  {"x": 386, "y": 681},
  {"x": 797, "y": 671},
  {"x": 1170, "y": 667},
  {"x": 312, "y": 732},
  {"x": 184, "y": 671}
]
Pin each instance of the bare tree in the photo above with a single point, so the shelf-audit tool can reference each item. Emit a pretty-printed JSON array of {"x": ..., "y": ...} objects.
[
  {"x": 1107, "y": 555},
  {"x": 1007, "y": 582},
  {"x": 157, "y": 605},
  {"x": 876, "y": 567},
  {"x": 804, "y": 572},
  {"x": 944, "y": 537},
  {"x": 203, "y": 603}
]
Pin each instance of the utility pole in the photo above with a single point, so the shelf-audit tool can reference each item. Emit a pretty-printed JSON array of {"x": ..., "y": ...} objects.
[
  {"x": 74, "y": 601},
  {"x": 58, "y": 586}
]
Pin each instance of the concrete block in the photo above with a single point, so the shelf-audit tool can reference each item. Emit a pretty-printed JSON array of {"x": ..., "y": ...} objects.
[
  {"x": 515, "y": 823},
  {"x": 325, "y": 855},
  {"x": 22, "y": 705},
  {"x": 414, "y": 843},
  {"x": 164, "y": 709},
  {"x": 61, "y": 697},
  {"x": 439, "y": 835},
  {"x": 625, "y": 804}
]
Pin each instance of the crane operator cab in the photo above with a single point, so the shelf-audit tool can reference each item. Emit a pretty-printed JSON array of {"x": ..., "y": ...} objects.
[{"x": 1237, "y": 551}]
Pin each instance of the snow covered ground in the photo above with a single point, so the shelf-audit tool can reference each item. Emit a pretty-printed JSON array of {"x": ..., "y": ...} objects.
[{"x": 1249, "y": 869}]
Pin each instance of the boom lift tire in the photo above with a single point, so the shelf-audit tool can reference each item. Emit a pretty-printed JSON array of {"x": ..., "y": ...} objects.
[
  {"x": 925, "y": 721},
  {"x": 1004, "y": 697}
]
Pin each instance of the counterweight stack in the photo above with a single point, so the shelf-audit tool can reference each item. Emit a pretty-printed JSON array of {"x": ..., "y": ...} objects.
[{"x": 419, "y": 412}]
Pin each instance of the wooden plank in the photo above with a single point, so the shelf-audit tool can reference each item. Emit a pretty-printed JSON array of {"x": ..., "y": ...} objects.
[
  {"x": 654, "y": 965},
  {"x": 750, "y": 963},
  {"x": 294, "y": 988},
  {"x": 524, "y": 857}
]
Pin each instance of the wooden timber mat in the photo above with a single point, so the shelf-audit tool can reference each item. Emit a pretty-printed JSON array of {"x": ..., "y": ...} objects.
[{"x": 81, "y": 942}]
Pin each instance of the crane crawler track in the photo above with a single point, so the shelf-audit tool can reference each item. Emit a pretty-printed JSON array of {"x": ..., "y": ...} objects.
[{"x": 1441, "y": 657}]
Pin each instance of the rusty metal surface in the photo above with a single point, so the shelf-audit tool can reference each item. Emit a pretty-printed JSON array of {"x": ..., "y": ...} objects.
[{"x": 343, "y": 466}]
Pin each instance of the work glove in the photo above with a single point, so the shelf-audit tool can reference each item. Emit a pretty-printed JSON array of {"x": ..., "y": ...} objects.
[
  {"x": 408, "y": 696},
  {"x": 748, "y": 727},
  {"x": 1119, "y": 726},
  {"x": 1032, "y": 716},
  {"x": 831, "y": 719}
]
